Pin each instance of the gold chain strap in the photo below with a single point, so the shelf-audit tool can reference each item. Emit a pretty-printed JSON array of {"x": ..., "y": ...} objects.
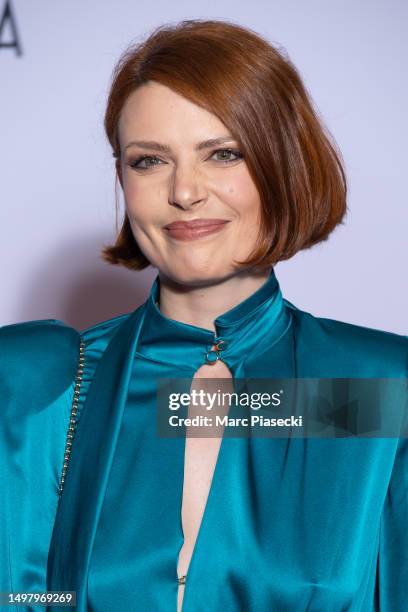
[{"x": 72, "y": 420}]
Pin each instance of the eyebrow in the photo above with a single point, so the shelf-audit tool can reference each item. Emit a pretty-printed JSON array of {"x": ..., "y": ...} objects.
[{"x": 157, "y": 146}]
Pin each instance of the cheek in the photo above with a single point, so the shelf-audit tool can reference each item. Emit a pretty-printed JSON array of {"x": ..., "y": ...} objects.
[
  {"x": 139, "y": 202},
  {"x": 242, "y": 196}
]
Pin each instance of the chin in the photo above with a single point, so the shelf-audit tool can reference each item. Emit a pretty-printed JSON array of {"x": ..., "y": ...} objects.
[{"x": 197, "y": 276}]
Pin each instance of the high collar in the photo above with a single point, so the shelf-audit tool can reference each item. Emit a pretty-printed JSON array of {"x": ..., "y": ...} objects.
[{"x": 248, "y": 327}]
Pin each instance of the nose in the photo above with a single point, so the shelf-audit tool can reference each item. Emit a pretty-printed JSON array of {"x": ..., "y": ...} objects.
[{"x": 187, "y": 188}]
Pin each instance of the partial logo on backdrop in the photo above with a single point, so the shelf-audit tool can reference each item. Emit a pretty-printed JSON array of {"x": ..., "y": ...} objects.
[{"x": 9, "y": 38}]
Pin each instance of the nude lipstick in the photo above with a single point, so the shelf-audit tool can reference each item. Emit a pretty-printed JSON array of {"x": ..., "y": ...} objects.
[{"x": 192, "y": 230}]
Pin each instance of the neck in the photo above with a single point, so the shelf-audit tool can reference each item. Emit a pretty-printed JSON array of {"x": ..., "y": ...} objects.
[{"x": 200, "y": 305}]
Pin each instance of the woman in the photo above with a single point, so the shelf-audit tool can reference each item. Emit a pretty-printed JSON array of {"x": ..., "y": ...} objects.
[{"x": 225, "y": 170}]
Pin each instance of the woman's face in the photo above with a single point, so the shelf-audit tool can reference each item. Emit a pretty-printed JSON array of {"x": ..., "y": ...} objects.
[{"x": 184, "y": 180}]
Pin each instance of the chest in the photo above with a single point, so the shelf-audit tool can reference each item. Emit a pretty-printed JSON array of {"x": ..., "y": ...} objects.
[
  {"x": 201, "y": 453},
  {"x": 200, "y": 458}
]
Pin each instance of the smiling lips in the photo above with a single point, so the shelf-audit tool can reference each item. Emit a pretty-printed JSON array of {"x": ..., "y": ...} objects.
[{"x": 191, "y": 230}]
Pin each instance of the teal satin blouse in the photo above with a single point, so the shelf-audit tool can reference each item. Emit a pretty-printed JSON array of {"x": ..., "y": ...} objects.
[{"x": 290, "y": 524}]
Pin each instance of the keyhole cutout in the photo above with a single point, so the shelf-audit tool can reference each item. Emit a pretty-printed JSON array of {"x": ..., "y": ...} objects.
[{"x": 200, "y": 459}]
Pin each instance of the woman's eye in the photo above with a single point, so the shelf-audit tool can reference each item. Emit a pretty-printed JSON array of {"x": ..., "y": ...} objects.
[
  {"x": 145, "y": 158},
  {"x": 226, "y": 153},
  {"x": 145, "y": 162}
]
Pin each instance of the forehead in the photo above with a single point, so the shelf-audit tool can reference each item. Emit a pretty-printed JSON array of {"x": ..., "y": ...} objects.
[{"x": 154, "y": 111}]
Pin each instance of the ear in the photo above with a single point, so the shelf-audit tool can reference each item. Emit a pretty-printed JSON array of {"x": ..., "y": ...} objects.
[{"x": 119, "y": 172}]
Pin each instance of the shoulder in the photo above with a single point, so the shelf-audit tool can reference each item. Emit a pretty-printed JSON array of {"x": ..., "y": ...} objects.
[
  {"x": 363, "y": 349},
  {"x": 97, "y": 337},
  {"x": 38, "y": 362},
  {"x": 39, "y": 359},
  {"x": 32, "y": 330},
  {"x": 51, "y": 345},
  {"x": 103, "y": 331},
  {"x": 47, "y": 341}
]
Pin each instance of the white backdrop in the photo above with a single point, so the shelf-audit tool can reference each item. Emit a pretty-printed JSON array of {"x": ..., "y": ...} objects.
[{"x": 57, "y": 174}]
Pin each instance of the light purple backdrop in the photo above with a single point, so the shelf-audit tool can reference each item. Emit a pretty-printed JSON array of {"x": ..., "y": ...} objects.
[{"x": 57, "y": 176}]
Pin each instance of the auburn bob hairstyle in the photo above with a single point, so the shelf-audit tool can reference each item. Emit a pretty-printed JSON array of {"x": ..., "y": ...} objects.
[{"x": 256, "y": 91}]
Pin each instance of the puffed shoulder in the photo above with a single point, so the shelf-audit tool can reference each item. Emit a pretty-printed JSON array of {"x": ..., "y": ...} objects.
[
  {"x": 39, "y": 358},
  {"x": 355, "y": 349}
]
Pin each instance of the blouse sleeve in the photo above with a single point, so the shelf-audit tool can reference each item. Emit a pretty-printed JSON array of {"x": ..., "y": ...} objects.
[
  {"x": 38, "y": 362},
  {"x": 393, "y": 556}
]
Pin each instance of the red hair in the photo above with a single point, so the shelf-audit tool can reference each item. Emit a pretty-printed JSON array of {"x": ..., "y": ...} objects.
[{"x": 257, "y": 93}]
